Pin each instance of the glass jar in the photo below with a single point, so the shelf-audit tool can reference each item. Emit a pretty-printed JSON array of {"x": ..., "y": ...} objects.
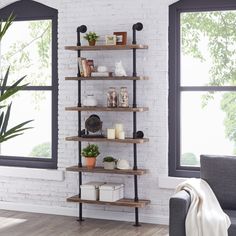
[
  {"x": 112, "y": 97},
  {"x": 123, "y": 97}
]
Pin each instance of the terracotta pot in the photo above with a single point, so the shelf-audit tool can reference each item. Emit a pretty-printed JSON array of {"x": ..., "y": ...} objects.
[
  {"x": 90, "y": 162},
  {"x": 92, "y": 43}
]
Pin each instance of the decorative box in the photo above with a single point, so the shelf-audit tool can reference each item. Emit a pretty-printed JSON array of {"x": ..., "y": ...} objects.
[
  {"x": 90, "y": 191},
  {"x": 111, "y": 192}
]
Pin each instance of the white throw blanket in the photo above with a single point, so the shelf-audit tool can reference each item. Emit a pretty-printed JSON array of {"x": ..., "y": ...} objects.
[{"x": 205, "y": 216}]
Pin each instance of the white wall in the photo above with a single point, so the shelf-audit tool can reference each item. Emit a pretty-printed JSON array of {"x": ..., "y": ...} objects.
[{"x": 40, "y": 194}]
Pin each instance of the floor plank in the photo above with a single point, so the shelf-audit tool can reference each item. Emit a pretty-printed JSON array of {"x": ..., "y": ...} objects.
[{"x": 30, "y": 224}]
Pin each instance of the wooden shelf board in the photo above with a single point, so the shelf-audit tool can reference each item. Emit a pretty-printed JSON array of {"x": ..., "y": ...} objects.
[
  {"x": 122, "y": 202},
  {"x": 108, "y": 78},
  {"x": 127, "y": 140},
  {"x": 106, "y": 47},
  {"x": 108, "y": 109},
  {"x": 102, "y": 170}
]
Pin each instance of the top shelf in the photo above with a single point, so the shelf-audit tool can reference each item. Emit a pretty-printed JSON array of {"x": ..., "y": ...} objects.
[{"x": 106, "y": 47}]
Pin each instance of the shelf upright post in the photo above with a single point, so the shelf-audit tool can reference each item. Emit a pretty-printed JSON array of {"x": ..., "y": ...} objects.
[
  {"x": 136, "y": 27},
  {"x": 80, "y": 29}
]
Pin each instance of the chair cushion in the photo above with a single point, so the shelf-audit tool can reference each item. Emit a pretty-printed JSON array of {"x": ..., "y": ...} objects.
[
  {"x": 232, "y": 216},
  {"x": 220, "y": 173}
]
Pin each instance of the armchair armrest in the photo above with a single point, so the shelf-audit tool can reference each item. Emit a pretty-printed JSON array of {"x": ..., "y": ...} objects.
[{"x": 178, "y": 208}]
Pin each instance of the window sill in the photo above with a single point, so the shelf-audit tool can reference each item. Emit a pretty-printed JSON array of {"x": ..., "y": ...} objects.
[
  {"x": 31, "y": 173},
  {"x": 167, "y": 182}
]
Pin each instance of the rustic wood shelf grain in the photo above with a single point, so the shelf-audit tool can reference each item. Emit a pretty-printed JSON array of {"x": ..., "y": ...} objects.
[
  {"x": 108, "y": 78},
  {"x": 102, "y": 170},
  {"x": 122, "y": 202},
  {"x": 108, "y": 109},
  {"x": 107, "y": 47},
  {"x": 127, "y": 140}
]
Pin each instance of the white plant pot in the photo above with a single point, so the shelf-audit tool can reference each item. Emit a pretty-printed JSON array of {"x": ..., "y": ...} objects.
[
  {"x": 109, "y": 165},
  {"x": 90, "y": 101}
]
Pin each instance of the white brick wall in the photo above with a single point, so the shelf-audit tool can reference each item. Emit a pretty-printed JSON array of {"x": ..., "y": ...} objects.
[{"x": 104, "y": 17}]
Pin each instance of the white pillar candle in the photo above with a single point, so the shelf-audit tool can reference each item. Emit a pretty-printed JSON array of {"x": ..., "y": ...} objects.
[
  {"x": 119, "y": 128},
  {"x": 111, "y": 134},
  {"x": 121, "y": 135}
]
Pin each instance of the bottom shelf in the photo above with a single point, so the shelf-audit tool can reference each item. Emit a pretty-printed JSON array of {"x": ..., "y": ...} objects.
[{"x": 122, "y": 202}]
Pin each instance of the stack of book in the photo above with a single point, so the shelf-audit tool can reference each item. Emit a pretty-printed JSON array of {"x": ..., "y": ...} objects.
[{"x": 86, "y": 67}]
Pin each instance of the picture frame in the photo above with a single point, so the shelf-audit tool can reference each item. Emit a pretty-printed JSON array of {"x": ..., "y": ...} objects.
[
  {"x": 110, "y": 39},
  {"x": 121, "y": 38}
]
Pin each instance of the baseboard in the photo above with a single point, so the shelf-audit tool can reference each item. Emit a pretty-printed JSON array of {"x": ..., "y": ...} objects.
[{"x": 97, "y": 214}]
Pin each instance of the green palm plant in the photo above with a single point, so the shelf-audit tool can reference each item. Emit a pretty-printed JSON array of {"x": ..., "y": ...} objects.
[{"x": 6, "y": 92}]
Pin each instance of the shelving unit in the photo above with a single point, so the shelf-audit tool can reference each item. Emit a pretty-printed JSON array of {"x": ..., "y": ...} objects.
[{"x": 135, "y": 203}]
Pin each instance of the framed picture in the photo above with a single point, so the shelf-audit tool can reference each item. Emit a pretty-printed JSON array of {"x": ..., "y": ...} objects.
[
  {"x": 110, "y": 39},
  {"x": 121, "y": 38}
]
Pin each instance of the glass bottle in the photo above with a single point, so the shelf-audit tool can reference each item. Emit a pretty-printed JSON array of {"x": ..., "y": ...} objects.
[{"x": 123, "y": 97}]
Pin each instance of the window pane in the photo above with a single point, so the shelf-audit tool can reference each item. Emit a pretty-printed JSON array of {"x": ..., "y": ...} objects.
[
  {"x": 208, "y": 124},
  {"x": 26, "y": 47},
  {"x": 35, "y": 142},
  {"x": 208, "y": 48}
]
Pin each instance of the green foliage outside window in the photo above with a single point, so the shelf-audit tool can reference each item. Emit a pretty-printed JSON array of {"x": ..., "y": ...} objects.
[{"x": 219, "y": 28}]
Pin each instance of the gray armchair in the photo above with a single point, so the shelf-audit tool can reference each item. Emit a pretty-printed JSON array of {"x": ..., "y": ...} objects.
[{"x": 220, "y": 173}]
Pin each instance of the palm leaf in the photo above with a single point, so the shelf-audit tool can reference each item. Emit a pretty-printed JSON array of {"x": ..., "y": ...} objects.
[
  {"x": 14, "y": 129},
  {"x": 1, "y": 119},
  {"x": 3, "y": 139},
  {"x": 5, "y": 120},
  {"x": 4, "y": 83},
  {"x": 13, "y": 132},
  {"x": 11, "y": 91},
  {"x": 6, "y": 92},
  {"x": 7, "y": 24}
]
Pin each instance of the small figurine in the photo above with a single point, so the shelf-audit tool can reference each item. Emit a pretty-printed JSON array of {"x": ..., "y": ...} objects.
[{"x": 119, "y": 69}]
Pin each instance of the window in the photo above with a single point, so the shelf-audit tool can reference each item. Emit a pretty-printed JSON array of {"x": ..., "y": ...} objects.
[
  {"x": 30, "y": 48},
  {"x": 202, "y": 83}
]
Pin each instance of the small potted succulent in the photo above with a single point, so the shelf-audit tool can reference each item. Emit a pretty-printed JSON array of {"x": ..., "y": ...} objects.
[
  {"x": 92, "y": 38},
  {"x": 90, "y": 153},
  {"x": 109, "y": 163}
]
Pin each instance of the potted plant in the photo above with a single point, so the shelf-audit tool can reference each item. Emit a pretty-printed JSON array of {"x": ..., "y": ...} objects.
[
  {"x": 90, "y": 153},
  {"x": 7, "y": 91},
  {"x": 92, "y": 38},
  {"x": 109, "y": 163}
]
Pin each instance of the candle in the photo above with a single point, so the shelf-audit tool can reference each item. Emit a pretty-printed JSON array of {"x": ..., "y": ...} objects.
[
  {"x": 119, "y": 128},
  {"x": 111, "y": 134},
  {"x": 121, "y": 135}
]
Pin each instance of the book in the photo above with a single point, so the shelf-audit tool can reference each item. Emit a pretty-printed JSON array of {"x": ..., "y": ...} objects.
[
  {"x": 80, "y": 66},
  {"x": 91, "y": 65},
  {"x": 85, "y": 67},
  {"x": 100, "y": 74}
]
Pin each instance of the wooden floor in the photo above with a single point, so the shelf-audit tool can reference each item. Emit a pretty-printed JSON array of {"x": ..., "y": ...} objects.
[{"x": 30, "y": 224}]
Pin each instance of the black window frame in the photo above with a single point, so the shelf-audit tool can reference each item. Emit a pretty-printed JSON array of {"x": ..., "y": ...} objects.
[
  {"x": 25, "y": 10},
  {"x": 175, "y": 88}
]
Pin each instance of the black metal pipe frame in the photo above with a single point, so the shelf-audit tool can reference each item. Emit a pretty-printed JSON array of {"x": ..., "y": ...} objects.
[
  {"x": 136, "y": 27},
  {"x": 80, "y": 29}
]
